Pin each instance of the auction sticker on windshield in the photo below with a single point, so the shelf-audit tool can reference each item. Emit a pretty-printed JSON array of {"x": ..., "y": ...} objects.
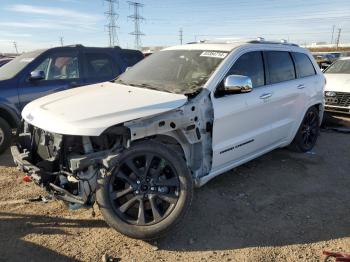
[{"x": 221, "y": 55}]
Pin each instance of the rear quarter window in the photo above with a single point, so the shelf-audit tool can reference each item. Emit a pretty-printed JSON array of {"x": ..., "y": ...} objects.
[
  {"x": 280, "y": 66},
  {"x": 131, "y": 57},
  {"x": 303, "y": 65}
]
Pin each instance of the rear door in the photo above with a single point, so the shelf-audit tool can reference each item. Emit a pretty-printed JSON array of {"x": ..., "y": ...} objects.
[
  {"x": 286, "y": 98},
  {"x": 62, "y": 71},
  {"x": 99, "y": 67}
]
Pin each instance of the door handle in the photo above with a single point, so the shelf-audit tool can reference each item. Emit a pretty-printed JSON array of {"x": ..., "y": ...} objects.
[
  {"x": 264, "y": 96},
  {"x": 301, "y": 86}
]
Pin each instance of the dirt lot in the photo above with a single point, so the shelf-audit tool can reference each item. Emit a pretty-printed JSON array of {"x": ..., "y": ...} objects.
[{"x": 283, "y": 206}]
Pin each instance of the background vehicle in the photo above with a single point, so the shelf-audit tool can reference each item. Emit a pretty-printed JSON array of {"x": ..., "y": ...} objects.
[
  {"x": 337, "y": 90},
  {"x": 42, "y": 72},
  {"x": 345, "y": 54},
  {"x": 180, "y": 117},
  {"x": 5, "y": 60},
  {"x": 324, "y": 60}
]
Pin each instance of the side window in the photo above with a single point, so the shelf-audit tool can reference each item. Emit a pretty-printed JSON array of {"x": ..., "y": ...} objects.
[
  {"x": 60, "y": 67},
  {"x": 280, "y": 66},
  {"x": 100, "y": 66},
  {"x": 303, "y": 65},
  {"x": 251, "y": 65}
]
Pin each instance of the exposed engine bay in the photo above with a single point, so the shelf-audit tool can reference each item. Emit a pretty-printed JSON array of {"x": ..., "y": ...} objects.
[{"x": 67, "y": 166}]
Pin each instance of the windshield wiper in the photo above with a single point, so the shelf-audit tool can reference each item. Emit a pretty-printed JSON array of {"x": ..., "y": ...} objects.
[{"x": 148, "y": 86}]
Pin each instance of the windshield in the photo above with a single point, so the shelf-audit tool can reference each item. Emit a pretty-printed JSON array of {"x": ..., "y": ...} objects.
[
  {"x": 175, "y": 71},
  {"x": 13, "y": 67},
  {"x": 339, "y": 67}
]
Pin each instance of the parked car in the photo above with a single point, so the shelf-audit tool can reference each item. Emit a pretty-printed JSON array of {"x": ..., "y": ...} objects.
[
  {"x": 345, "y": 54},
  {"x": 5, "y": 60},
  {"x": 178, "y": 118},
  {"x": 42, "y": 72},
  {"x": 337, "y": 90},
  {"x": 324, "y": 60}
]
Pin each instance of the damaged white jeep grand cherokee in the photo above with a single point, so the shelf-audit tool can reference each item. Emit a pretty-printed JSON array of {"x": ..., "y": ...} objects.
[{"x": 136, "y": 146}]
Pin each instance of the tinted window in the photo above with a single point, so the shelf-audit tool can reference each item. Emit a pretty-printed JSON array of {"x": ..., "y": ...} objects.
[
  {"x": 100, "y": 66},
  {"x": 280, "y": 66},
  {"x": 250, "y": 64},
  {"x": 131, "y": 57},
  {"x": 303, "y": 65},
  {"x": 60, "y": 67}
]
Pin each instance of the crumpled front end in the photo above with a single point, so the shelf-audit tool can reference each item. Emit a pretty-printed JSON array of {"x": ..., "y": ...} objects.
[{"x": 66, "y": 166}]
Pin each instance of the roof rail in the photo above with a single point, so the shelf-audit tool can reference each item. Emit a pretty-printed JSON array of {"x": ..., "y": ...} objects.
[
  {"x": 75, "y": 45},
  {"x": 261, "y": 40}
]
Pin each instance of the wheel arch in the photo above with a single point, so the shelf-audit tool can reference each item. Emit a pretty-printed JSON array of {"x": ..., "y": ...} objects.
[
  {"x": 320, "y": 108},
  {"x": 9, "y": 116},
  {"x": 171, "y": 140}
]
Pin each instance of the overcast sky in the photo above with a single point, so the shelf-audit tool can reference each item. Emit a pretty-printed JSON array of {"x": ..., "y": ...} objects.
[{"x": 37, "y": 24}]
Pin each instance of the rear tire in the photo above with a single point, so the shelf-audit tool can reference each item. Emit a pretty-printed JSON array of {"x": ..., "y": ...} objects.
[
  {"x": 148, "y": 193},
  {"x": 307, "y": 134},
  {"x": 5, "y": 135}
]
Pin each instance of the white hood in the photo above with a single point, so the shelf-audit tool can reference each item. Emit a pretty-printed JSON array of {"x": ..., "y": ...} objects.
[
  {"x": 338, "y": 82},
  {"x": 90, "y": 110}
]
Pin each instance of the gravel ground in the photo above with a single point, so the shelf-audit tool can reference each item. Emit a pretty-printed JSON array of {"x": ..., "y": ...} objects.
[{"x": 283, "y": 206}]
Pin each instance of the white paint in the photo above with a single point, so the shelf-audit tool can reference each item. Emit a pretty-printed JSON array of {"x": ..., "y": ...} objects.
[
  {"x": 89, "y": 110},
  {"x": 338, "y": 82}
]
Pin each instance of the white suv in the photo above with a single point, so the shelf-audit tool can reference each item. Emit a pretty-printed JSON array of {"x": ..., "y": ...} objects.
[{"x": 180, "y": 117}]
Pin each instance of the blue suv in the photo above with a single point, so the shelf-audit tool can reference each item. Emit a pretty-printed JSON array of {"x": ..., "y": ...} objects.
[{"x": 42, "y": 72}]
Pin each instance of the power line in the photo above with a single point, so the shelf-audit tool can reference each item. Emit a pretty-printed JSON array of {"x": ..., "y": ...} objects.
[
  {"x": 137, "y": 18},
  {"x": 181, "y": 35},
  {"x": 112, "y": 26},
  {"x": 15, "y": 46}
]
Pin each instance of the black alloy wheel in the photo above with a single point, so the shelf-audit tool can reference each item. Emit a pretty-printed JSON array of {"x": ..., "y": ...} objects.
[
  {"x": 145, "y": 189},
  {"x": 308, "y": 132},
  {"x": 147, "y": 193},
  {"x": 310, "y": 128}
]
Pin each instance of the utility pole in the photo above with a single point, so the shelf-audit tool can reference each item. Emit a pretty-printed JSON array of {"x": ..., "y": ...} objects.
[
  {"x": 181, "y": 35},
  {"x": 61, "y": 40},
  {"x": 338, "y": 38},
  {"x": 333, "y": 27},
  {"x": 112, "y": 17},
  {"x": 15, "y": 45},
  {"x": 137, "y": 19}
]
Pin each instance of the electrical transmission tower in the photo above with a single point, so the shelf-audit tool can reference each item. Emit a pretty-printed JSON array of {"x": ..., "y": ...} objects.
[
  {"x": 137, "y": 18},
  {"x": 15, "y": 46},
  {"x": 333, "y": 27},
  {"x": 112, "y": 26},
  {"x": 338, "y": 38},
  {"x": 61, "y": 40},
  {"x": 181, "y": 35}
]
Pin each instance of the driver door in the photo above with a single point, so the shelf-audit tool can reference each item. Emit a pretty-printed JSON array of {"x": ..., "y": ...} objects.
[{"x": 62, "y": 71}]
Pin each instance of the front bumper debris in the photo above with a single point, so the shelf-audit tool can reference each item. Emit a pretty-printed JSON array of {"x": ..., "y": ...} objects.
[{"x": 21, "y": 161}]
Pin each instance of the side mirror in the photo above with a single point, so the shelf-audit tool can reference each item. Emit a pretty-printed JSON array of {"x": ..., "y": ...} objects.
[
  {"x": 234, "y": 84},
  {"x": 37, "y": 75}
]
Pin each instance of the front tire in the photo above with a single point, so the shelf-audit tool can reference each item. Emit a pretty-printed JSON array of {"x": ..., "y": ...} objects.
[
  {"x": 148, "y": 193},
  {"x": 5, "y": 135},
  {"x": 308, "y": 132}
]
